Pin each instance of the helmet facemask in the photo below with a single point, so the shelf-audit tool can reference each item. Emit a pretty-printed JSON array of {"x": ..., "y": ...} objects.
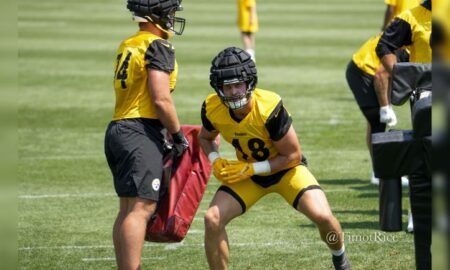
[
  {"x": 239, "y": 101},
  {"x": 170, "y": 23}
]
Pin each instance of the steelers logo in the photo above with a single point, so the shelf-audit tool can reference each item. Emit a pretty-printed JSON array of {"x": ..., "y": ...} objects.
[{"x": 156, "y": 183}]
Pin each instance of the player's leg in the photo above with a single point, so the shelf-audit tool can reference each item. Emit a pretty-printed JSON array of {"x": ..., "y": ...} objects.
[
  {"x": 248, "y": 40},
  {"x": 229, "y": 202},
  {"x": 301, "y": 190},
  {"x": 372, "y": 114},
  {"x": 132, "y": 231},
  {"x": 223, "y": 208},
  {"x": 123, "y": 207},
  {"x": 135, "y": 160},
  {"x": 314, "y": 205}
]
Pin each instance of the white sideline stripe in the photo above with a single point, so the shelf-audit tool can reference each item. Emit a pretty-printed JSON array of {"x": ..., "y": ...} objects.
[
  {"x": 68, "y": 195},
  {"x": 113, "y": 259},
  {"x": 87, "y": 195},
  {"x": 170, "y": 246},
  {"x": 63, "y": 157}
]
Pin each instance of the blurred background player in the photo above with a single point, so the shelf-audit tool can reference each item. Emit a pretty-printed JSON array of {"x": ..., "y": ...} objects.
[
  {"x": 248, "y": 25},
  {"x": 145, "y": 75},
  {"x": 395, "y": 7},
  {"x": 269, "y": 157},
  {"x": 412, "y": 28},
  {"x": 369, "y": 83}
]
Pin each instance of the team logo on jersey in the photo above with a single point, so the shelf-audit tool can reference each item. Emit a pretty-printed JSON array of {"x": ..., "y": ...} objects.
[{"x": 156, "y": 184}]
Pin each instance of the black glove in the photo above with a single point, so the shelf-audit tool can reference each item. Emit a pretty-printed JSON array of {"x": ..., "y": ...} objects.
[{"x": 180, "y": 144}]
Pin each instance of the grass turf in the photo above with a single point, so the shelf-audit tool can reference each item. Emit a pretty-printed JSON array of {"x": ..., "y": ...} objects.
[{"x": 66, "y": 203}]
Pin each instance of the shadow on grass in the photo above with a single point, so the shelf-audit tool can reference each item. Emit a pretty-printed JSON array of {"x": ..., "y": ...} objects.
[
  {"x": 357, "y": 212},
  {"x": 376, "y": 194},
  {"x": 341, "y": 182},
  {"x": 370, "y": 225}
]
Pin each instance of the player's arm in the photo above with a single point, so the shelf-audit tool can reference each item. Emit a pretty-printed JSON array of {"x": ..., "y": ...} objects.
[
  {"x": 207, "y": 141},
  {"x": 289, "y": 152},
  {"x": 381, "y": 86},
  {"x": 382, "y": 91},
  {"x": 158, "y": 84},
  {"x": 388, "y": 15},
  {"x": 396, "y": 35},
  {"x": 160, "y": 59}
]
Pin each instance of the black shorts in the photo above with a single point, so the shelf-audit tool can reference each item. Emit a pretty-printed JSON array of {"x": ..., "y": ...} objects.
[
  {"x": 134, "y": 151},
  {"x": 363, "y": 89},
  {"x": 362, "y": 86}
]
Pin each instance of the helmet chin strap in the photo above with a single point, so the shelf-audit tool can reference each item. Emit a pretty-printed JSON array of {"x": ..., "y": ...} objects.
[{"x": 148, "y": 19}]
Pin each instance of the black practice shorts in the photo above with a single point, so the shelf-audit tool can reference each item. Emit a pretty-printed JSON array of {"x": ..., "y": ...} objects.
[
  {"x": 134, "y": 151},
  {"x": 362, "y": 86},
  {"x": 363, "y": 89}
]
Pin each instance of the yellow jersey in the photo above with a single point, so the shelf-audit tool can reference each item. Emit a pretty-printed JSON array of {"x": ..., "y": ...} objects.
[
  {"x": 134, "y": 56},
  {"x": 401, "y": 5},
  {"x": 366, "y": 57},
  {"x": 253, "y": 136},
  {"x": 247, "y": 16},
  {"x": 412, "y": 28}
]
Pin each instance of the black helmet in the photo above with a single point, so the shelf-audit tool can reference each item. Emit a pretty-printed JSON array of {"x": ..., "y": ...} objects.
[
  {"x": 160, "y": 12},
  {"x": 233, "y": 65}
]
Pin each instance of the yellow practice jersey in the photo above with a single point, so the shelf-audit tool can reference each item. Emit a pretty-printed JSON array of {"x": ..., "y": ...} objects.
[
  {"x": 412, "y": 28},
  {"x": 366, "y": 57},
  {"x": 253, "y": 136},
  {"x": 441, "y": 18},
  {"x": 401, "y": 5},
  {"x": 419, "y": 19},
  {"x": 247, "y": 16},
  {"x": 134, "y": 57}
]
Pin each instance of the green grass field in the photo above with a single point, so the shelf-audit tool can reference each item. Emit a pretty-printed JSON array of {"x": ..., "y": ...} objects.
[{"x": 66, "y": 201}]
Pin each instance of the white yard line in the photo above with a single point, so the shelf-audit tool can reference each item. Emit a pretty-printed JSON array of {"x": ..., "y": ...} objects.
[
  {"x": 88, "y": 195},
  {"x": 172, "y": 246},
  {"x": 102, "y": 259},
  {"x": 67, "y": 195}
]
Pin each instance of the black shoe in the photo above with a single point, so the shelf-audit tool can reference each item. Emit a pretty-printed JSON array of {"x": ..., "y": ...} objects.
[{"x": 341, "y": 263}]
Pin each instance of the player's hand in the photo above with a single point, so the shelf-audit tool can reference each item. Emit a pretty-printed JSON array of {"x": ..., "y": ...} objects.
[
  {"x": 387, "y": 115},
  {"x": 236, "y": 171},
  {"x": 218, "y": 164},
  {"x": 180, "y": 143}
]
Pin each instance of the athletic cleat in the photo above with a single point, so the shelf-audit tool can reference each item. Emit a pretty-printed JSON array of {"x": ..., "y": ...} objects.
[
  {"x": 374, "y": 180},
  {"x": 341, "y": 263},
  {"x": 410, "y": 227},
  {"x": 405, "y": 181}
]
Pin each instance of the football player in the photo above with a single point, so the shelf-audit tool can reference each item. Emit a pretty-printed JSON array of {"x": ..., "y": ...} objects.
[
  {"x": 395, "y": 7},
  {"x": 145, "y": 75},
  {"x": 369, "y": 83},
  {"x": 248, "y": 24},
  {"x": 268, "y": 153},
  {"x": 412, "y": 28}
]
